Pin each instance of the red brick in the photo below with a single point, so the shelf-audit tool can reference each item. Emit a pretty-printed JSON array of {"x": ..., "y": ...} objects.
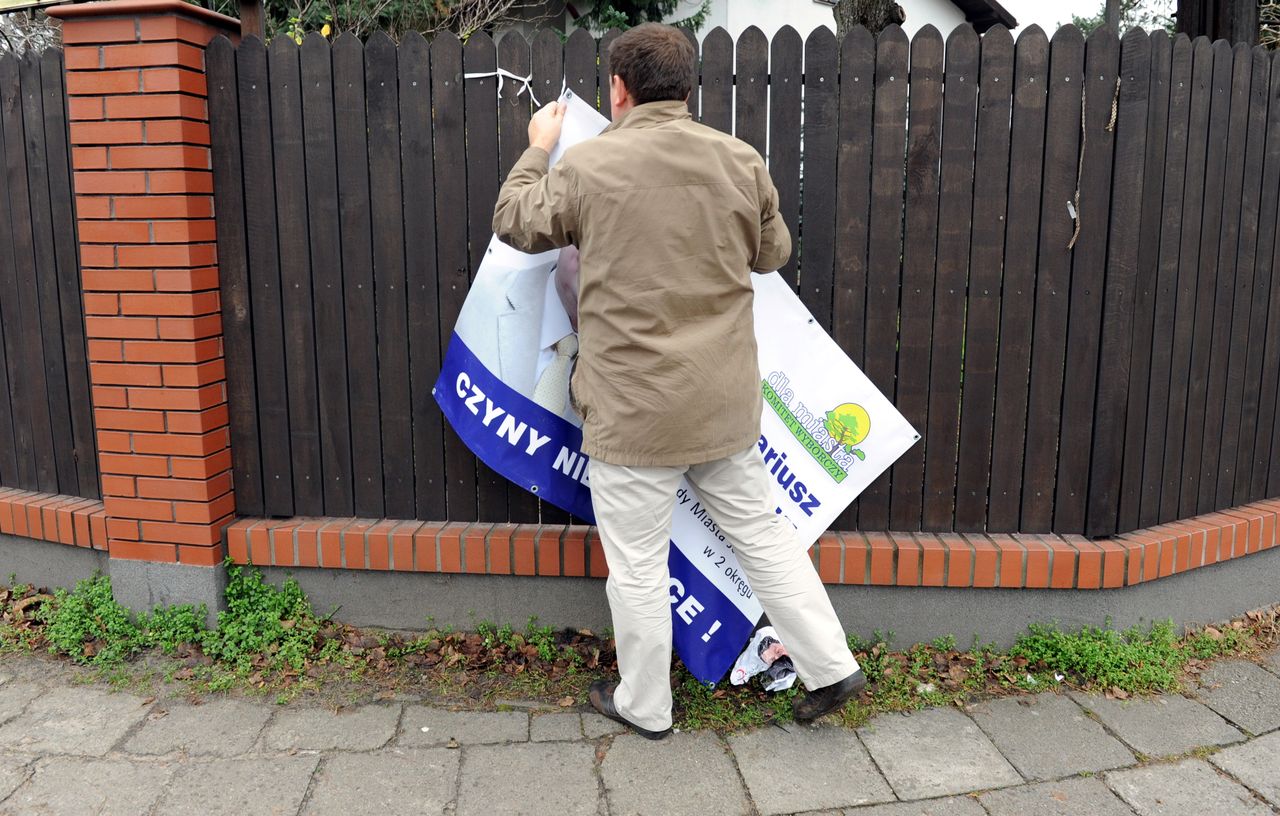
[
  {"x": 114, "y": 442},
  {"x": 101, "y": 83},
  {"x": 959, "y": 560},
  {"x": 1037, "y": 562},
  {"x": 194, "y": 376},
  {"x": 205, "y": 512},
  {"x": 173, "y": 351},
  {"x": 91, "y": 158},
  {"x": 190, "y": 328},
  {"x": 548, "y": 549},
  {"x": 109, "y": 396},
  {"x": 91, "y": 206},
  {"x": 830, "y": 556},
  {"x": 330, "y": 537},
  {"x": 98, "y": 530},
  {"x": 1212, "y": 542},
  {"x": 1253, "y": 528},
  {"x": 105, "y": 133},
  {"x": 200, "y": 556},
  {"x": 153, "y": 54},
  {"x": 107, "y": 351},
  {"x": 123, "y": 528},
  {"x": 201, "y": 468},
  {"x": 117, "y": 280},
  {"x": 174, "y": 80},
  {"x": 99, "y": 303},
  {"x": 167, "y": 255},
  {"x": 185, "y": 232},
  {"x": 130, "y": 464},
  {"x": 307, "y": 540},
  {"x": 143, "y": 551},
  {"x": 378, "y": 544},
  {"x": 176, "y": 131},
  {"x": 125, "y": 328},
  {"x": 115, "y": 232},
  {"x": 83, "y": 536},
  {"x": 189, "y": 490},
  {"x": 187, "y": 280},
  {"x": 168, "y": 304},
  {"x": 401, "y": 545},
  {"x": 1089, "y": 561},
  {"x": 148, "y": 157},
  {"x": 125, "y": 374},
  {"x": 856, "y": 556},
  {"x": 180, "y": 444},
  {"x": 599, "y": 565},
  {"x": 281, "y": 536},
  {"x": 138, "y": 509},
  {"x": 119, "y": 486},
  {"x": 933, "y": 560},
  {"x": 524, "y": 543},
  {"x": 85, "y": 108},
  {"x": 882, "y": 559},
  {"x": 1012, "y": 559},
  {"x": 238, "y": 541},
  {"x": 170, "y": 27},
  {"x": 449, "y": 542},
  {"x": 95, "y": 30},
  {"x": 908, "y": 559},
  {"x": 260, "y": 544},
  {"x": 573, "y": 545},
  {"x": 180, "y": 533},
  {"x": 197, "y": 422},
  {"x": 1062, "y": 570},
  {"x": 118, "y": 420},
  {"x": 175, "y": 399},
  {"x": 164, "y": 207},
  {"x": 97, "y": 255},
  {"x": 986, "y": 560},
  {"x": 183, "y": 182},
  {"x": 110, "y": 182},
  {"x": 425, "y": 542},
  {"x": 472, "y": 543},
  {"x": 83, "y": 57}
]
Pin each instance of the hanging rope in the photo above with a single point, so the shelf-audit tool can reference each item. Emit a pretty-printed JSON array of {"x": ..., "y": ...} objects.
[
  {"x": 1073, "y": 206},
  {"x": 526, "y": 82}
]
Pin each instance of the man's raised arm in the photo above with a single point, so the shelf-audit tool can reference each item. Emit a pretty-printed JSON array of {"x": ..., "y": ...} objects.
[
  {"x": 538, "y": 210},
  {"x": 775, "y": 238}
]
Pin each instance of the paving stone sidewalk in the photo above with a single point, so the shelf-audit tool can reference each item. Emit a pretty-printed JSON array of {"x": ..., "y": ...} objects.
[{"x": 73, "y": 749}]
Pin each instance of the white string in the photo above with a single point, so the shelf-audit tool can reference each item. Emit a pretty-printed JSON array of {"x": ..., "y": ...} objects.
[{"x": 526, "y": 82}]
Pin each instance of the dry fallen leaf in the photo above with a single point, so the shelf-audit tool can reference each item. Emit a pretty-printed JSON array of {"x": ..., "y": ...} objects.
[{"x": 565, "y": 702}]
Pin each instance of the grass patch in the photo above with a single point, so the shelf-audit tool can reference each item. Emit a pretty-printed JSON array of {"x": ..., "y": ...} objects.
[{"x": 269, "y": 640}]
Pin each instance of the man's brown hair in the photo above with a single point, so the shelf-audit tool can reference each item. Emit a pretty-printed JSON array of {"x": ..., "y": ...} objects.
[{"x": 655, "y": 62}]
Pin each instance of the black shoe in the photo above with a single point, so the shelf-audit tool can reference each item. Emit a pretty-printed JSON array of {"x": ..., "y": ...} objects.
[
  {"x": 830, "y": 698},
  {"x": 602, "y": 700}
]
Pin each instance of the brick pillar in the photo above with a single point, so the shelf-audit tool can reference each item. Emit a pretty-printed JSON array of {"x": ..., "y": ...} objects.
[{"x": 144, "y": 205}]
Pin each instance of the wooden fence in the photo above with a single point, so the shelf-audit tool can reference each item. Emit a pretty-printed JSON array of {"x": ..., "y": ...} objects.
[
  {"x": 1073, "y": 375},
  {"x": 46, "y": 424}
]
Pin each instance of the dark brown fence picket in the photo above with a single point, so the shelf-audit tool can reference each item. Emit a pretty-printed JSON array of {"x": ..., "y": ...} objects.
[
  {"x": 46, "y": 432},
  {"x": 1072, "y": 383}
]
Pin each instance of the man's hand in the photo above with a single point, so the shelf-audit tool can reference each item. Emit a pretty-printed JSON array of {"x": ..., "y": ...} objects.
[{"x": 544, "y": 127}]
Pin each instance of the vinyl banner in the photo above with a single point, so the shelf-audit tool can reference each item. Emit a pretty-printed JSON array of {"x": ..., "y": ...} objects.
[{"x": 826, "y": 432}]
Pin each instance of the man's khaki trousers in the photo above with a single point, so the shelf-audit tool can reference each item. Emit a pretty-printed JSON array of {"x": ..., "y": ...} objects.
[{"x": 633, "y": 507}]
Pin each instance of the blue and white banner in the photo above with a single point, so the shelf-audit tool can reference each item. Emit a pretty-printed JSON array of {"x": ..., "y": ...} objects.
[{"x": 826, "y": 432}]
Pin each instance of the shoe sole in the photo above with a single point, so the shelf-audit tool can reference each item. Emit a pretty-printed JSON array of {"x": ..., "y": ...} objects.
[{"x": 836, "y": 705}]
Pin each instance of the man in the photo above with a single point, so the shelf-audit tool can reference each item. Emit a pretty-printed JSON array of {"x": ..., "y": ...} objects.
[
  {"x": 522, "y": 326},
  {"x": 671, "y": 217}
]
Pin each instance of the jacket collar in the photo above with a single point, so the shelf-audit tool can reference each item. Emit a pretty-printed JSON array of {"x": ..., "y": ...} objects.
[{"x": 652, "y": 113}]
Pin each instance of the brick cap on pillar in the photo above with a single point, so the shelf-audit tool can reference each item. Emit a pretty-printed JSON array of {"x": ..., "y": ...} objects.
[{"x": 133, "y": 8}]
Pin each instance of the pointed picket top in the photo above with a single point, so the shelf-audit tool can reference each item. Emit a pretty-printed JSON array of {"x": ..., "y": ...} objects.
[
  {"x": 787, "y": 34},
  {"x": 219, "y": 47},
  {"x": 963, "y": 35},
  {"x": 1032, "y": 32},
  {"x": 858, "y": 37},
  {"x": 821, "y": 37},
  {"x": 1067, "y": 34},
  {"x": 578, "y": 35},
  {"x": 928, "y": 36},
  {"x": 752, "y": 34},
  {"x": 379, "y": 41},
  {"x": 998, "y": 40},
  {"x": 285, "y": 47},
  {"x": 892, "y": 34},
  {"x": 478, "y": 44},
  {"x": 718, "y": 38}
]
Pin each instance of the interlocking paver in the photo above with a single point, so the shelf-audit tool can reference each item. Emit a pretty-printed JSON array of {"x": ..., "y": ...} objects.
[
  {"x": 794, "y": 769},
  {"x": 1160, "y": 726},
  {"x": 685, "y": 774},
  {"x": 1186, "y": 788},
  {"x": 73, "y": 721},
  {"x": 15, "y": 695},
  {"x": 235, "y": 787},
  {"x": 555, "y": 727},
  {"x": 1256, "y": 764},
  {"x": 1048, "y": 736},
  {"x": 949, "y": 806},
  {"x": 935, "y": 752},
  {"x": 1272, "y": 661},
  {"x": 219, "y": 727},
  {"x": 362, "y": 728},
  {"x": 467, "y": 727},
  {"x": 530, "y": 779},
  {"x": 120, "y": 787},
  {"x": 1066, "y": 797},
  {"x": 407, "y": 781},
  {"x": 1243, "y": 692}
]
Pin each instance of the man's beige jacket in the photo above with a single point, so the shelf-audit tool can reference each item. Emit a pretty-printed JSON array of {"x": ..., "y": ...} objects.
[{"x": 670, "y": 217}]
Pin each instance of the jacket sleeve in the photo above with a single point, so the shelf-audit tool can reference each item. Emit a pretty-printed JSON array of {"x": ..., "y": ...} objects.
[
  {"x": 537, "y": 210},
  {"x": 775, "y": 238}
]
